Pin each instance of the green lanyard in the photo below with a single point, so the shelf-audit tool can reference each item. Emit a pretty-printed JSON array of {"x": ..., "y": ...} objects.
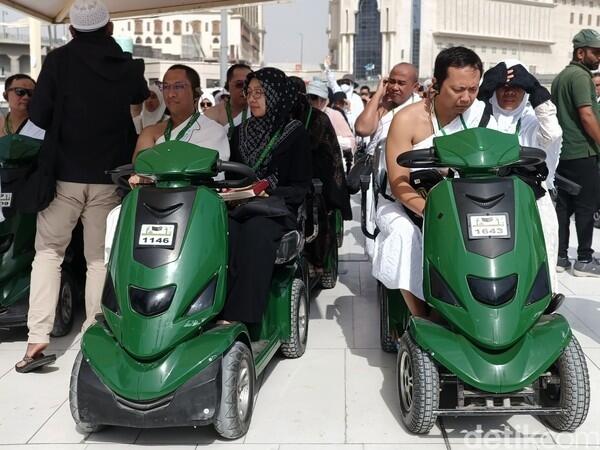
[
  {"x": 230, "y": 118},
  {"x": 7, "y": 125},
  {"x": 182, "y": 132},
  {"x": 462, "y": 121},
  {"x": 518, "y": 127},
  {"x": 308, "y": 118},
  {"x": 266, "y": 150}
]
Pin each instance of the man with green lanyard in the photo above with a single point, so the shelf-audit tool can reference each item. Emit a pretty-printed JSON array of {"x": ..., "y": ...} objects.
[
  {"x": 573, "y": 93},
  {"x": 397, "y": 255},
  {"x": 181, "y": 90},
  {"x": 234, "y": 111}
]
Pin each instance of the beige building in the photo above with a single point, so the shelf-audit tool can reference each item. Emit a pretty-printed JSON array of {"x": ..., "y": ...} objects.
[
  {"x": 537, "y": 32},
  {"x": 196, "y": 35}
]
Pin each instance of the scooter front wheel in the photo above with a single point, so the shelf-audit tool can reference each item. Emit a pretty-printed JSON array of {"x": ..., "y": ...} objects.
[
  {"x": 572, "y": 393},
  {"x": 82, "y": 426},
  {"x": 237, "y": 392},
  {"x": 418, "y": 386}
]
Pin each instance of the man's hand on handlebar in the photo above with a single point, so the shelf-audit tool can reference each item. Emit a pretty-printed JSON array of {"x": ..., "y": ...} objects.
[{"x": 137, "y": 180}]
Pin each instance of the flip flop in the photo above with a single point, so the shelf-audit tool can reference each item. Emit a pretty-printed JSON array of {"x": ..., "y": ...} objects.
[{"x": 34, "y": 362}]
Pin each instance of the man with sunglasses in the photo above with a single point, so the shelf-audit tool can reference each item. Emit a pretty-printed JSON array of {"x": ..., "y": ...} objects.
[
  {"x": 83, "y": 98},
  {"x": 233, "y": 111},
  {"x": 18, "y": 92}
]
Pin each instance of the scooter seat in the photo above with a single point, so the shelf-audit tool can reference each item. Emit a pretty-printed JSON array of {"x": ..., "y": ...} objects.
[{"x": 290, "y": 246}]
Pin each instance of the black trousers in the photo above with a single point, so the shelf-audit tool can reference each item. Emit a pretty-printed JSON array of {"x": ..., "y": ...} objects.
[
  {"x": 583, "y": 171},
  {"x": 253, "y": 245}
]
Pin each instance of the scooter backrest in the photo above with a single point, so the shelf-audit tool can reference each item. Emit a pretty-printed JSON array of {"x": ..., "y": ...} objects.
[
  {"x": 16, "y": 150},
  {"x": 174, "y": 160}
]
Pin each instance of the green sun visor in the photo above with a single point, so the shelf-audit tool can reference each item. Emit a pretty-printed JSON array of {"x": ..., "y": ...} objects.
[
  {"x": 174, "y": 160},
  {"x": 477, "y": 148},
  {"x": 15, "y": 148}
]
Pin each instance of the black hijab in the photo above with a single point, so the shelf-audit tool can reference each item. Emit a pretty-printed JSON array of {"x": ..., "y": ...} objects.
[{"x": 255, "y": 133}]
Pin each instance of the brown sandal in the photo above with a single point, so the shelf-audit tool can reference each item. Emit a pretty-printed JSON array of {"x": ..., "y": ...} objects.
[{"x": 34, "y": 362}]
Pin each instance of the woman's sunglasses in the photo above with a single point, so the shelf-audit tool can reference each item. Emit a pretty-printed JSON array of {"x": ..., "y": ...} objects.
[
  {"x": 21, "y": 92},
  {"x": 206, "y": 104}
]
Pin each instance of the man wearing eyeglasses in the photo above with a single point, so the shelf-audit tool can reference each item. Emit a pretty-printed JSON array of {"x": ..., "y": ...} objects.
[
  {"x": 235, "y": 110},
  {"x": 18, "y": 90}
]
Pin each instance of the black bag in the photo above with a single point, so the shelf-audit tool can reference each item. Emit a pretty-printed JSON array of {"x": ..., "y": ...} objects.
[
  {"x": 260, "y": 207},
  {"x": 38, "y": 188},
  {"x": 422, "y": 181},
  {"x": 362, "y": 166}
]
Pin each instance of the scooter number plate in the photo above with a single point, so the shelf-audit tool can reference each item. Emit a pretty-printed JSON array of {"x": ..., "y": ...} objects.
[
  {"x": 152, "y": 235},
  {"x": 5, "y": 199},
  {"x": 483, "y": 226}
]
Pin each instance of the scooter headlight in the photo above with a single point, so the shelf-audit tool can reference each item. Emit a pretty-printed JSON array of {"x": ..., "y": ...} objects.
[
  {"x": 493, "y": 291},
  {"x": 109, "y": 297},
  {"x": 541, "y": 286},
  {"x": 205, "y": 299},
  {"x": 439, "y": 288},
  {"x": 151, "y": 302}
]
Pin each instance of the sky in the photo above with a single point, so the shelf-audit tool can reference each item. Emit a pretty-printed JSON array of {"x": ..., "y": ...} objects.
[{"x": 283, "y": 23}]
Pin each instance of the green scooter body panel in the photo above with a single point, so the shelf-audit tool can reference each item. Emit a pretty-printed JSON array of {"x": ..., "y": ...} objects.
[
  {"x": 144, "y": 381},
  {"x": 177, "y": 160},
  {"x": 17, "y": 231},
  {"x": 495, "y": 371},
  {"x": 494, "y": 327},
  {"x": 200, "y": 261}
]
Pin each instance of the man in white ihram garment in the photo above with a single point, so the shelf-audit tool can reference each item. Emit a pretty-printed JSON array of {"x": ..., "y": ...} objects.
[
  {"x": 522, "y": 106},
  {"x": 398, "y": 259}
]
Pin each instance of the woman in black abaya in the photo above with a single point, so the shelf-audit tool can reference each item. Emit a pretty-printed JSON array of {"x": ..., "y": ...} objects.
[{"x": 277, "y": 147}]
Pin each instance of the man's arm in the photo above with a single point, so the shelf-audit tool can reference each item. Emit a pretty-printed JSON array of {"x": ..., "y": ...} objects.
[
  {"x": 145, "y": 140},
  {"x": 41, "y": 106},
  {"x": 367, "y": 121},
  {"x": 399, "y": 141},
  {"x": 590, "y": 122}
]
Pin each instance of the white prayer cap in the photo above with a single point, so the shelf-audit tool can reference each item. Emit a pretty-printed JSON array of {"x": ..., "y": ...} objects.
[{"x": 88, "y": 15}]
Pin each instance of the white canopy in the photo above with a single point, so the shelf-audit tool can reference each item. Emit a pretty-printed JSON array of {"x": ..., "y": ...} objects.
[{"x": 57, "y": 11}]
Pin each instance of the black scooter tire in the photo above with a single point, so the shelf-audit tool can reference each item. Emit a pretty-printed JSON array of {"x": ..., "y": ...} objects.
[
  {"x": 329, "y": 278},
  {"x": 574, "y": 390},
  {"x": 296, "y": 345},
  {"x": 229, "y": 423},
  {"x": 81, "y": 426},
  {"x": 63, "y": 319},
  {"x": 420, "y": 416},
  {"x": 387, "y": 341}
]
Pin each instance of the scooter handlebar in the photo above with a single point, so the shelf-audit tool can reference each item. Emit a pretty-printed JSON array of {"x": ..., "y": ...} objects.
[
  {"x": 530, "y": 156},
  {"x": 419, "y": 159},
  {"x": 248, "y": 174}
]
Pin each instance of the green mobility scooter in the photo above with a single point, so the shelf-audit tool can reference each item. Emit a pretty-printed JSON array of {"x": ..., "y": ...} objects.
[
  {"x": 502, "y": 349},
  {"x": 17, "y": 235},
  {"x": 157, "y": 356}
]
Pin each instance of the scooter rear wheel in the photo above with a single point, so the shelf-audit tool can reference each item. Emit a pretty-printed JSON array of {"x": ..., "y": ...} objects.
[
  {"x": 387, "y": 341},
  {"x": 418, "y": 386},
  {"x": 237, "y": 392},
  {"x": 296, "y": 345},
  {"x": 63, "y": 319},
  {"x": 573, "y": 392},
  {"x": 329, "y": 277}
]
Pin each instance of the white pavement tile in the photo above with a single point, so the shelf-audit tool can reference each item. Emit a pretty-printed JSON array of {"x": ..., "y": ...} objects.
[
  {"x": 478, "y": 432},
  {"x": 412, "y": 446},
  {"x": 366, "y": 322},
  {"x": 105, "y": 446},
  {"x": 586, "y": 337},
  {"x": 28, "y": 400},
  {"x": 593, "y": 355},
  {"x": 301, "y": 401},
  {"x": 59, "y": 429},
  {"x": 321, "y": 447},
  {"x": 44, "y": 447},
  {"x": 331, "y": 323},
  {"x": 181, "y": 436},
  {"x": 114, "y": 435},
  {"x": 349, "y": 275},
  {"x": 373, "y": 412},
  {"x": 368, "y": 284}
]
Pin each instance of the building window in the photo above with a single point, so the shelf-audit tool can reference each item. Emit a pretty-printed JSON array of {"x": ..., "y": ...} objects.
[
  {"x": 139, "y": 26},
  {"x": 206, "y": 27},
  {"x": 367, "y": 43},
  {"x": 147, "y": 26},
  {"x": 158, "y": 26},
  {"x": 168, "y": 27},
  {"x": 138, "y": 40},
  {"x": 158, "y": 40},
  {"x": 167, "y": 40},
  {"x": 187, "y": 27},
  {"x": 148, "y": 40},
  {"x": 580, "y": 19},
  {"x": 216, "y": 40},
  {"x": 572, "y": 18},
  {"x": 598, "y": 21},
  {"x": 216, "y": 27},
  {"x": 128, "y": 26},
  {"x": 196, "y": 26},
  {"x": 177, "y": 27}
]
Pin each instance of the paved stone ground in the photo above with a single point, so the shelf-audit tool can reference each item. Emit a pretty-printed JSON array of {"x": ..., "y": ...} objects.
[{"x": 339, "y": 396}]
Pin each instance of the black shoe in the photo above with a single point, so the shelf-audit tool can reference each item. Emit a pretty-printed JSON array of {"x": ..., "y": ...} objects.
[{"x": 563, "y": 264}]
